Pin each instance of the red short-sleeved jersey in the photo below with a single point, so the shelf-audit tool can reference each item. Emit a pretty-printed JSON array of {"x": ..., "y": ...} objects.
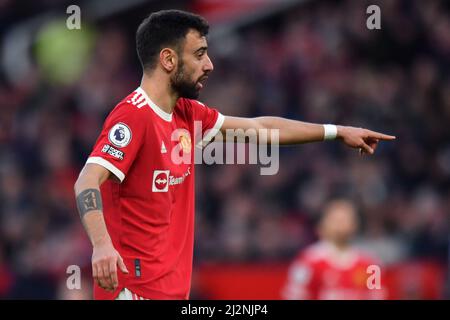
[
  {"x": 323, "y": 272},
  {"x": 150, "y": 214}
]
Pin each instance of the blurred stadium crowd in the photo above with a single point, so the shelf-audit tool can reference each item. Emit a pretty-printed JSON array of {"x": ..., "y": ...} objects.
[{"x": 316, "y": 62}]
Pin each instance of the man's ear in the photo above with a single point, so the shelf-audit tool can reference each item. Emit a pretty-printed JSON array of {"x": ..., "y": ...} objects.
[{"x": 168, "y": 59}]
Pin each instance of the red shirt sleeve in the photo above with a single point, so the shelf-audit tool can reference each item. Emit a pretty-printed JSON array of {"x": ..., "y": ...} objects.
[
  {"x": 300, "y": 284},
  {"x": 120, "y": 140},
  {"x": 208, "y": 119}
]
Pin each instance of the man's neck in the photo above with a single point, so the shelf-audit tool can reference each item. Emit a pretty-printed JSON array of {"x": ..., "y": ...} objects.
[
  {"x": 157, "y": 87},
  {"x": 338, "y": 246}
]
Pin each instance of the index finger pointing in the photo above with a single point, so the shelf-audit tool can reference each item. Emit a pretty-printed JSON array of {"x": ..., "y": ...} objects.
[{"x": 381, "y": 136}]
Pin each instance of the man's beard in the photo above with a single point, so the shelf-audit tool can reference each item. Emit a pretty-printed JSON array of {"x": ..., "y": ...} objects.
[{"x": 182, "y": 85}]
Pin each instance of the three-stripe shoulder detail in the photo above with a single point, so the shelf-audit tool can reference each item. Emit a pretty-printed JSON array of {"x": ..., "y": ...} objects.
[{"x": 138, "y": 100}]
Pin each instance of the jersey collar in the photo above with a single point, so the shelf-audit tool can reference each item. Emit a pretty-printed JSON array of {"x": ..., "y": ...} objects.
[{"x": 160, "y": 112}]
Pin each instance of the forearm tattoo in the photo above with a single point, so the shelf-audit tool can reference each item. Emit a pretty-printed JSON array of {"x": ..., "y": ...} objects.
[{"x": 89, "y": 200}]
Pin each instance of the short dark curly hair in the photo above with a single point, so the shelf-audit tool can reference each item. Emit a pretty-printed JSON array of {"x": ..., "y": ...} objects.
[{"x": 165, "y": 28}]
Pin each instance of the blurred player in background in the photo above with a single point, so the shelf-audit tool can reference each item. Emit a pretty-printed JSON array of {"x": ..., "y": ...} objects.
[
  {"x": 332, "y": 268},
  {"x": 146, "y": 228}
]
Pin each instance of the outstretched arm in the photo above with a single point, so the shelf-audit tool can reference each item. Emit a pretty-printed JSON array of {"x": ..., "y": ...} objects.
[
  {"x": 297, "y": 132},
  {"x": 89, "y": 202}
]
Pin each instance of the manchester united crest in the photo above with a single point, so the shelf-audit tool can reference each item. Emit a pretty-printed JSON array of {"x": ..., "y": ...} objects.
[{"x": 185, "y": 142}]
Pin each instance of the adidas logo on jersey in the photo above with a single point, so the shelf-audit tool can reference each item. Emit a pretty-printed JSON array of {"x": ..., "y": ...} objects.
[{"x": 163, "y": 148}]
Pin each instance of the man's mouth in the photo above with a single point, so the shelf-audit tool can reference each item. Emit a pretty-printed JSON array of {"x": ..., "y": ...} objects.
[{"x": 201, "y": 82}]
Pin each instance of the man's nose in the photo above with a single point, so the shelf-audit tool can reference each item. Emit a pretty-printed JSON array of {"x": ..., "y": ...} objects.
[{"x": 208, "y": 67}]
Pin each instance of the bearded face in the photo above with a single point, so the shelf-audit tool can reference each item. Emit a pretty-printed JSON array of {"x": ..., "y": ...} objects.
[
  {"x": 193, "y": 66},
  {"x": 183, "y": 84}
]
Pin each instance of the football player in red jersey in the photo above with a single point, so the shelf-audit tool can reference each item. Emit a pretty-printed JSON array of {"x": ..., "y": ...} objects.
[
  {"x": 332, "y": 268},
  {"x": 136, "y": 203}
]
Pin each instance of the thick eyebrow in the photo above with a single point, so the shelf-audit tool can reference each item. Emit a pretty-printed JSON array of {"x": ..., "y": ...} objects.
[{"x": 201, "y": 49}]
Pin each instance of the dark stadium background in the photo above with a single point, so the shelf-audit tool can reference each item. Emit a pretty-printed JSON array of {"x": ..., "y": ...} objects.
[{"x": 308, "y": 60}]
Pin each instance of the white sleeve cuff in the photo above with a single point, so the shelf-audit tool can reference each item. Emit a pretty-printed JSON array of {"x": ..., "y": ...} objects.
[
  {"x": 210, "y": 133},
  {"x": 107, "y": 165}
]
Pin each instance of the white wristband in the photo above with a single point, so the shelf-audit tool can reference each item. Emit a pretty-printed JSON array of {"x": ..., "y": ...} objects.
[{"x": 330, "y": 132}]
